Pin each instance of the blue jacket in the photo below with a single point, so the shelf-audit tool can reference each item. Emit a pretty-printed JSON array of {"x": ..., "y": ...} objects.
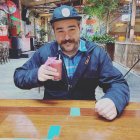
[{"x": 95, "y": 68}]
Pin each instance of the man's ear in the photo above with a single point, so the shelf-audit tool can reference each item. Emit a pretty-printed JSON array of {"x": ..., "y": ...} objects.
[
  {"x": 53, "y": 31},
  {"x": 80, "y": 26}
]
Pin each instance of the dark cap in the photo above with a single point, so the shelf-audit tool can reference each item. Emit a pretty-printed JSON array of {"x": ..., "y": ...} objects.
[{"x": 64, "y": 12}]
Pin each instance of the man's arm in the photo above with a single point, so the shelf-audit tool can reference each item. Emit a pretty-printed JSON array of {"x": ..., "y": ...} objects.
[
  {"x": 25, "y": 77},
  {"x": 115, "y": 87},
  {"x": 34, "y": 72}
]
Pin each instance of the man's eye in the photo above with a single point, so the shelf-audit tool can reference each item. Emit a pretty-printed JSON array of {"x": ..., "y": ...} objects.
[
  {"x": 72, "y": 29},
  {"x": 60, "y": 31}
]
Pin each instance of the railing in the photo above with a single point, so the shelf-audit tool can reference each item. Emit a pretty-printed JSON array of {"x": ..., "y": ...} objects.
[{"x": 128, "y": 54}]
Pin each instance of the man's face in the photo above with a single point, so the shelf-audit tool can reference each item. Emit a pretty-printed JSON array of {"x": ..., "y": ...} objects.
[{"x": 67, "y": 34}]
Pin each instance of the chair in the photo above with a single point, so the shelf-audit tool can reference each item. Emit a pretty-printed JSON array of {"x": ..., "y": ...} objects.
[
  {"x": 4, "y": 53},
  {"x": 1, "y": 53}
]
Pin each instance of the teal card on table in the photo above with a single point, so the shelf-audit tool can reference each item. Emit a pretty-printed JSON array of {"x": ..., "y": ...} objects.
[
  {"x": 53, "y": 131},
  {"x": 75, "y": 111}
]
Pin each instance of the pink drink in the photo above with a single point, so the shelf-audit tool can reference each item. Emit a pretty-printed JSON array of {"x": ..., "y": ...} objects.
[{"x": 57, "y": 64}]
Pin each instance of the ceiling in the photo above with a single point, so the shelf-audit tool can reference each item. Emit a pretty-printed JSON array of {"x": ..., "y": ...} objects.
[
  {"x": 43, "y": 7},
  {"x": 31, "y": 3}
]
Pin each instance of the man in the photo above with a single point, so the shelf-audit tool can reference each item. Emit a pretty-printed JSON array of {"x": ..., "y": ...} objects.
[{"x": 85, "y": 66}]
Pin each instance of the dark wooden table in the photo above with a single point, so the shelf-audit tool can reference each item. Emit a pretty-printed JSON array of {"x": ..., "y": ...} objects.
[{"x": 33, "y": 118}]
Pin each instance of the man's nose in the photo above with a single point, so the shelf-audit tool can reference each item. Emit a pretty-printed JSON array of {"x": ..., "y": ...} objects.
[{"x": 67, "y": 37}]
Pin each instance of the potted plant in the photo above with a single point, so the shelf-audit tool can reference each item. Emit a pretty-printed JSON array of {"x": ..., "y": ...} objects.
[{"x": 108, "y": 41}]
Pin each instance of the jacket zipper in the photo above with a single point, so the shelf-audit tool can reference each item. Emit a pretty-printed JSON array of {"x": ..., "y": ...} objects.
[{"x": 69, "y": 85}]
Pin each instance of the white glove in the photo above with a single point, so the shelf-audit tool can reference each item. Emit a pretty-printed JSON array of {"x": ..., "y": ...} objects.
[
  {"x": 106, "y": 108},
  {"x": 46, "y": 73}
]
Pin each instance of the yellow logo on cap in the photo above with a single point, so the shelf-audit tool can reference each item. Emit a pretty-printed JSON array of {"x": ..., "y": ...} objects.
[{"x": 65, "y": 12}]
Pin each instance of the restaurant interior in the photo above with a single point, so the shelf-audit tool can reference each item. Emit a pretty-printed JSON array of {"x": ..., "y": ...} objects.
[{"x": 25, "y": 26}]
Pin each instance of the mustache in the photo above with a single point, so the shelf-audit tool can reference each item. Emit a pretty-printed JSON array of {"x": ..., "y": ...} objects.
[{"x": 67, "y": 41}]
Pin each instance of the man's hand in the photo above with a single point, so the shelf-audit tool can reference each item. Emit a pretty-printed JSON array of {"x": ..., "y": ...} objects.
[
  {"x": 46, "y": 73},
  {"x": 106, "y": 108}
]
